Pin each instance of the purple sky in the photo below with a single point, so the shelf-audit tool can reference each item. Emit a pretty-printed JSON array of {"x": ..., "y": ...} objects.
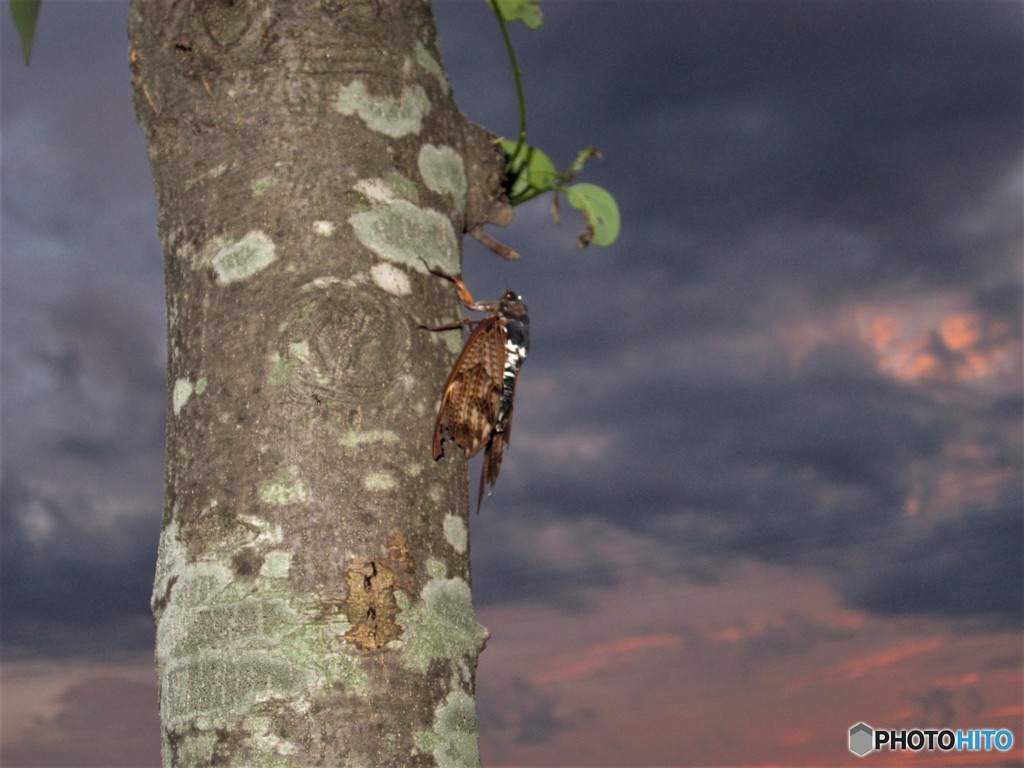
[{"x": 766, "y": 480}]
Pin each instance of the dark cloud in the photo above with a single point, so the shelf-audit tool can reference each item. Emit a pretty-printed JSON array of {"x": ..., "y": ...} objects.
[
  {"x": 77, "y": 579},
  {"x": 836, "y": 145},
  {"x": 774, "y": 161},
  {"x": 82, "y": 349},
  {"x": 971, "y": 567},
  {"x": 780, "y": 166},
  {"x": 83, "y": 443},
  {"x": 510, "y": 577},
  {"x": 753, "y": 452},
  {"x": 523, "y": 714},
  {"x": 940, "y": 706}
]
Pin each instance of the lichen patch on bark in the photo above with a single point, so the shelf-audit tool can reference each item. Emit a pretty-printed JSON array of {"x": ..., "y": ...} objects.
[
  {"x": 182, "y": 391},
  {"x": 443, "y": 172},
  {"x": 264, "y": 183},
  {"x": 228, "y": 647},
  {"x": 455, "y": 533},
  {"x": 394, "y": 117},
  {"x": 284, "y": 488},
  {"x": 380, "y": 481},
  {"x": 234, "y": 260},
  {"x": 408, "y": 234},
  {"x": 390, "y": 279},
  {"x": 440, "y": 624},
  {"x": 430, "y": 65},
  {"x": 453, "y": 739},
  {"x": 355, "y": 438},
  {"x": 212, "y": 642}
]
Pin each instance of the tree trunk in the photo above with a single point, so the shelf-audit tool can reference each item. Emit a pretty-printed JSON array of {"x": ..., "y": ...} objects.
[{"x": 312, "y": 590}]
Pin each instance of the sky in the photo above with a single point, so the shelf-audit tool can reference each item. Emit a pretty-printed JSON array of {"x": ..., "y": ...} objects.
[{"x": 767, "y": 474}]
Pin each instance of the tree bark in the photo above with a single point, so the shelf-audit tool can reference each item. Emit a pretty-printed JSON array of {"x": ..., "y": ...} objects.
[{"x": 312, "y": 591}]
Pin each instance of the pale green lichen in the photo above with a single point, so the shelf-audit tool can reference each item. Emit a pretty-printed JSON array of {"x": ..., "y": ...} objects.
[
  {"x": 262, "y": 184},
  {"x": 462, "y": 674},
  {"x": 453, "y": 741},
  {"x": 354, "y": 438},
  {"x": 209, "y": 636},
  {"x": 403, "y": 186},
  {"x": 347, "y": 668},
  {"x": 455, "y": 533},
  {"x": 435, "y": 493},
  {"x": 223, "y": 646},
  {"x": 394, "y": 117},
  {"x": 318, "y": 284},
  {"x": 390, "y": 279},
  {"x": 276, "y": 565},
  {"x": 443, "y": 172},
  {"x": 239, "y": 260},
  {"x": 193, "y": 748},
  {"x": 228, "y": 622},
  {"x": 323, "y": 227},
  {"x": 264, "y": 748},
  {"x": 171, "y": 558},
  {"x": 402, "y": 600},
  {"x": 394, "y": 187},
  {"x": 226, "y": 650},
  {"x": 301, "y": 354},
  {"x": 440, "y": 625},
  {"x": 230, "y": 681},
  {"x": 376, "y": 190},
  {"x": 300, "y": 350},
  {"x": 182, "y": 391},
  {"x": 282, "y": 371},
  {"x": 430, "y": 65},
  {"x": 268, "y": 742},
  {"x": 436, "y": 568},
  {"x": 201, "y": 385},
  {"x": 379, "y": 481},
  {"x": 402, "y": 232},
  {"x": 283, "y": 488}
]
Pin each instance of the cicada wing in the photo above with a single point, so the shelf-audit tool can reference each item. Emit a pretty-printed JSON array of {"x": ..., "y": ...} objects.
[
  {"x": 500, "y": 439},
  {"x": 472, "y": 395},
  {"x": 491, "y": 464}
]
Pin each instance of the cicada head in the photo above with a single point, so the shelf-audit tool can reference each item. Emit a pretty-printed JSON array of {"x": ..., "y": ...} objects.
[{"x": 517, "y": 323}]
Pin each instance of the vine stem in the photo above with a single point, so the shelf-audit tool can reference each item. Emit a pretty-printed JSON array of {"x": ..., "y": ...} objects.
[{"x": 517, "y": 76}]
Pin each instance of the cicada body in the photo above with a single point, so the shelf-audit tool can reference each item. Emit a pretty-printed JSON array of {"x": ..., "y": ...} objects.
[{"x": 477, "y": 400}]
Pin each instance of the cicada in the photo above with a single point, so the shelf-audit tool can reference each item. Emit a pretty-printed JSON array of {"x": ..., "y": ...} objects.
[{"x": 476, "y": 404}]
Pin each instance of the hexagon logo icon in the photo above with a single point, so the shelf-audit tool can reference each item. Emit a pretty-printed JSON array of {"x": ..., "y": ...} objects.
[{"x": 861, "y": 738}]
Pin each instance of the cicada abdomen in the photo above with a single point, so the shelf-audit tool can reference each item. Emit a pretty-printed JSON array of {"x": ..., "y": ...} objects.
[{"x": 477, "y": 400}]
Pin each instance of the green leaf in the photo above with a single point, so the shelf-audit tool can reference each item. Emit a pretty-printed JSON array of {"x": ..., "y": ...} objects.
[
  {"x": 531, "y": 171},
  {"x": 25, "y": 13},
  {"x": 601, "y": 211},
  {"x": 526, "y": 11}
]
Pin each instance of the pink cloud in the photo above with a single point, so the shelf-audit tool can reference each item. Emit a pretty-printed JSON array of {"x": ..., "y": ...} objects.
[
  {"x": 83, "y": 716},
  {"x": 584, "y": 662}
]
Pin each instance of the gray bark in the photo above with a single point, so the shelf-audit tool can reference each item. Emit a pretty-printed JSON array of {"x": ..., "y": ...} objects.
[{"x": 312, "y": 592}]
